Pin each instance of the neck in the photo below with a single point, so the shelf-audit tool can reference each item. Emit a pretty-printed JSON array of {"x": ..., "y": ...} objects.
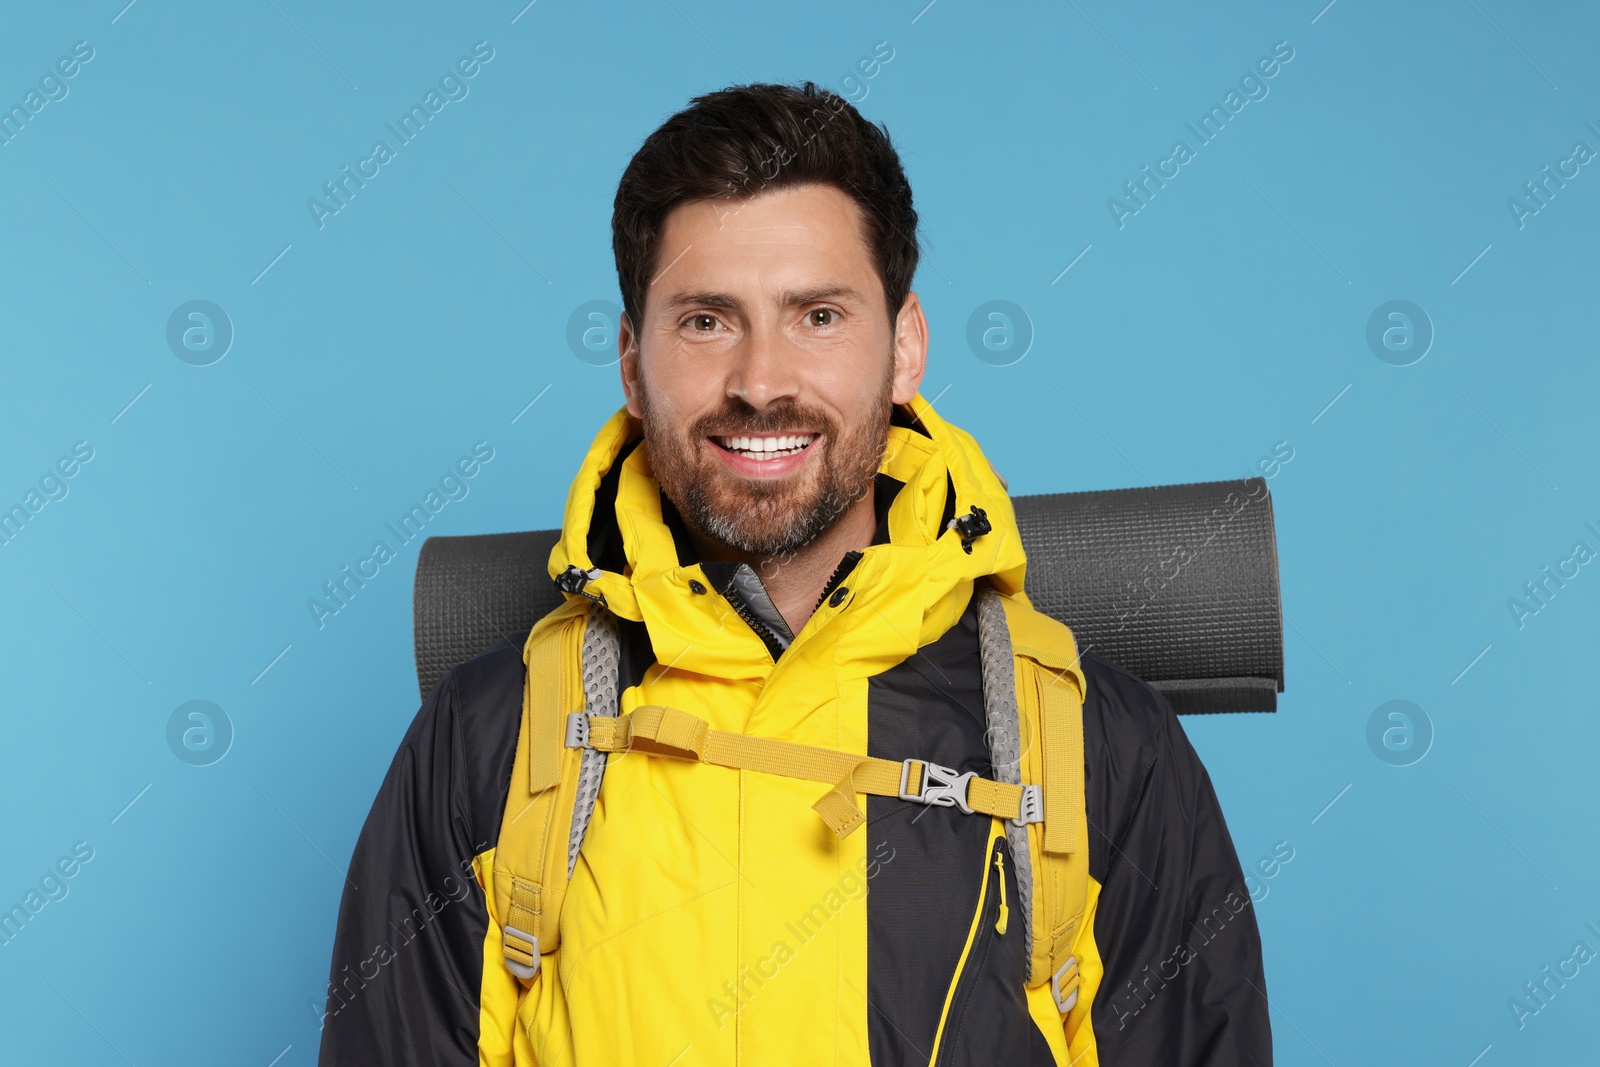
[{"x": 795, "y": 580}]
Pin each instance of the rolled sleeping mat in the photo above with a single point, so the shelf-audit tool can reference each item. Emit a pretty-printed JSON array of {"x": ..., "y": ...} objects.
[{"x": 1177, "y": 584}]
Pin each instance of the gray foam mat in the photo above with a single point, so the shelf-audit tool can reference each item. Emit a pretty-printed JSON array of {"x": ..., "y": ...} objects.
[{"x": 1177, "y": 584}]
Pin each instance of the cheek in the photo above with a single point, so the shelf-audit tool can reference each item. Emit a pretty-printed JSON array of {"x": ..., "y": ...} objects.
[
  {"x": 852, "y": 373},
  {"x": 683, "y": 381}
]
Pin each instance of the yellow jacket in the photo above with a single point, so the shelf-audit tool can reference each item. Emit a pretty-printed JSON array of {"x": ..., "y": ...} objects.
[{"x": 711, "y": 916}]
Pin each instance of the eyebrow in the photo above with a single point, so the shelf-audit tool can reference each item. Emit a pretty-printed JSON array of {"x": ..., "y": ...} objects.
[{"x": 790, "y": 298}]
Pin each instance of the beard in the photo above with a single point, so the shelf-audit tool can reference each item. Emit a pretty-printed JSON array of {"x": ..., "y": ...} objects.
[{"x": 766, "y": 517}]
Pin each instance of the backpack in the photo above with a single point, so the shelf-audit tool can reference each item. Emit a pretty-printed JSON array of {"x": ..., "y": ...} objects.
[{"x": 1033, "y": 691}]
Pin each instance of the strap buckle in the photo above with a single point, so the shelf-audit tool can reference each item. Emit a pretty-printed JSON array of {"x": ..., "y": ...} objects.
[
  {"x": 936, "y": 785},
  {"x": 1032, "y": 806},
  {"x": 1067, "y": 975},
  {"x": 578, "y": 729},
  {"x": 516, "y": 967}
]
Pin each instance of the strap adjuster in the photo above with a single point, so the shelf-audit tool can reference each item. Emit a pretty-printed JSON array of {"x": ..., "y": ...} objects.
[
  {"x": 578, "y": 729},
  {"x": 1068, "y": 974},
  {"x": 516, "y": 967},
  {"x": 936, "y": 785},
  {"x": 1032, "y": 807}
]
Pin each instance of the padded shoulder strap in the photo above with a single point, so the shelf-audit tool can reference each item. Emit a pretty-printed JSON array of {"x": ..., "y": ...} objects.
[
  {"x": 530, "y": 870},
  {"x": 1049, "y": 690}
]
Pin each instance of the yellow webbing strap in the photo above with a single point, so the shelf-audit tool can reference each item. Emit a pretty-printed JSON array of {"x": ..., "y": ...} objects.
[
  {"x": 545, "y": 707},
  {"x": 671, "y": 732},
  {"x": 522, "y": 917},
  {"x": 1061, "y": 723},
  {"x": 530, "y": 870},
  {"x": 1061, "y": 869}
]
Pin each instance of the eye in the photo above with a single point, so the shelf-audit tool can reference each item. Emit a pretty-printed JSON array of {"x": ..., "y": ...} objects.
[
  {"x": 822, "y": 317},
  {"x": 701, "y": 323}
]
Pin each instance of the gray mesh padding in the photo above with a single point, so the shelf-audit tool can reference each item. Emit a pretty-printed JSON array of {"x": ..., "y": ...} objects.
[
  {"x": 600, "y": 698},
  {"x": 1002, "y": 728},
  {"x": 1178, "y": 584}
]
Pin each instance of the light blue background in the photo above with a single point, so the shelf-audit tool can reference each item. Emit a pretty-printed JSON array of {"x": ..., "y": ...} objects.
[{"x": 427, "y": 314}]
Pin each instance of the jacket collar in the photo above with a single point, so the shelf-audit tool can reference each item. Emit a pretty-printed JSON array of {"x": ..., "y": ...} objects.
[{"x": 911, "y": 584}]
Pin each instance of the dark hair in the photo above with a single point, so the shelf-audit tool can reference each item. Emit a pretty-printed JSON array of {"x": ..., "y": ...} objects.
[{"x": 749, "y": 139}]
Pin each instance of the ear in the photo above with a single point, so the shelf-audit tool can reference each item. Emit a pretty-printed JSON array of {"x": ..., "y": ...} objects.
[
  {"x": 910, "y": 349},
  {"x": 628, "y": 364}
]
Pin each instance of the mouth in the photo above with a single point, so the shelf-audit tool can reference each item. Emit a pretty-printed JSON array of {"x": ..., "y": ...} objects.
[{"x": 763, "y": 448}]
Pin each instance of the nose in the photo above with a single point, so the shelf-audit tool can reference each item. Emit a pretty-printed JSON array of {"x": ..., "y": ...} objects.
[{"x": 765, "y": 368}]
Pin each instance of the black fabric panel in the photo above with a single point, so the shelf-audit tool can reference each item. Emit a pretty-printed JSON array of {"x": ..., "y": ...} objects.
[
  {"x": 635, "y": 654},
  {"x": 884, "y": 490},
  {"x": 408, "y": 955},
  {"x": 1175, "y": 927},
  {"x": 489, "y": 716},
  {"x": 902, "y": 415},
  {"x": 949, "y": 506},
  {"x": 920, "y": 903},
  {"x": 604, "y": 540},
  {"x": 989, "y": 1022},
  {"x": 673, "y": 521}
]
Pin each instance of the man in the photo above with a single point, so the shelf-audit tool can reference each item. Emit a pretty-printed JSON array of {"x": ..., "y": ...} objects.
[{"x": 792, "y": 545}]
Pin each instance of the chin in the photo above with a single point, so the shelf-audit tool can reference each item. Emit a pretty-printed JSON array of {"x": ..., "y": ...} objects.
[{"x": 746, "y": 525}]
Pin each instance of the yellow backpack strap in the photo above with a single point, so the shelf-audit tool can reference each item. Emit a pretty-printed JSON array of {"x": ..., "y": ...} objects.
[
  {"x": 664, "y": 731},
  {"x": 1050, "y": 687},
  {"x": 530, "y": 873}
]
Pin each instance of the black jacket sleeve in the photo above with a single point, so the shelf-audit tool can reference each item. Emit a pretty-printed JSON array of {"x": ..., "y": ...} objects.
[
  {"x": 1174, "y": 925},
  {"x": 407, "y": 965}
]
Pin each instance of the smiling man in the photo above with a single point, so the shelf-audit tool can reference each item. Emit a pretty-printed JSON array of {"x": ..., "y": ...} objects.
[
  {"x": 772, "y": 375},
  {"x": 796, "y": 774}
]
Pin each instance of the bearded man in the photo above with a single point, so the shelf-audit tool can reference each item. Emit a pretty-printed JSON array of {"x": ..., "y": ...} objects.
[{"x": 782, "y": 568}]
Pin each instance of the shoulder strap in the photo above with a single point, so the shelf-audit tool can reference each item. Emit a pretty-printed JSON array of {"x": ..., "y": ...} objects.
[
  {"x": 1038, "y": 657},
  {"x": 530, "y": 872}
]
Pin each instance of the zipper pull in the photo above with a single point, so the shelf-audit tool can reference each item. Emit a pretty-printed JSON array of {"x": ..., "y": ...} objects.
[{"x": 1000, "y": 866}]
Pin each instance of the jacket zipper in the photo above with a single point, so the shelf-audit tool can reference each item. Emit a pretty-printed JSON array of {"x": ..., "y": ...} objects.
[
  {"x": 989, "y": 921},
  {"x": 768, "y": 638},
  {"x": 846, "y": 565},
  {"x": 774, "y": 649}
]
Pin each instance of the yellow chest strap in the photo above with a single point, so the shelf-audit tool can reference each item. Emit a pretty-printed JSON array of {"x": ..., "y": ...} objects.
[{"x": 665, "y": 731}]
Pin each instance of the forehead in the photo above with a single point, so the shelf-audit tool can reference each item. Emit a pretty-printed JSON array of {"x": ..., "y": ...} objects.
[{"x": 786, "y": 239}]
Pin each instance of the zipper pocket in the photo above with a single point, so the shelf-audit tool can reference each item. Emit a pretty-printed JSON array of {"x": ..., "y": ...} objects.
[{"x": 989, "y": 921}]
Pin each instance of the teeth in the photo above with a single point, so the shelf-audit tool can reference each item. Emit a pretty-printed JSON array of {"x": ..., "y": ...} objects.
[
  {"x": 764, "y": 448},
  {"x": 762, "y": 457}
]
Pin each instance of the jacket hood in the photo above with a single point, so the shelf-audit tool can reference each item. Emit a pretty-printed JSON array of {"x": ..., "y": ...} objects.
[{"x": 917, "y": 582}]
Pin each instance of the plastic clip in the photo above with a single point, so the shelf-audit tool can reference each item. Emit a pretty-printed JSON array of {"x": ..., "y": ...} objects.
[
  {"x": 1032, "y": 807},
  {"x": 970, "y": 527},
  {"x": 578, "y": 729},
  {"x": 937, "y": 786},
  {"x": 572, "y": 580}
]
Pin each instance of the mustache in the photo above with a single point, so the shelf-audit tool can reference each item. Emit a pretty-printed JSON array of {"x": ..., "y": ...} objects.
[{"x": 733, "y": 423}]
